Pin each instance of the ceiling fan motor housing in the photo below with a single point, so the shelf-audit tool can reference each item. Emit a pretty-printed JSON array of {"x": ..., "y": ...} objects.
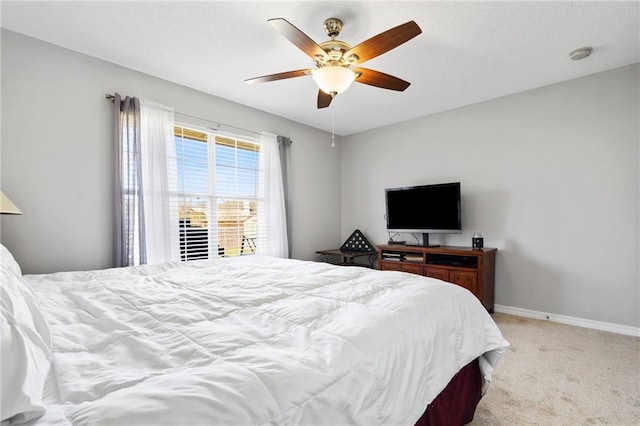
[{"x": 335, "y": 50}]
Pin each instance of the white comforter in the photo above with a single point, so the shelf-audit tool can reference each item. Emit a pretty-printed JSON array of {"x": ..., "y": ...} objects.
[{"x": 256, "y": 340}]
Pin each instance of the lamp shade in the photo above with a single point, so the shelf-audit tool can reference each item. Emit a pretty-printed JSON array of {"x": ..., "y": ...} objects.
[
  {"x": 7, "y": 206},
  {"x": 333, "y": 79}
]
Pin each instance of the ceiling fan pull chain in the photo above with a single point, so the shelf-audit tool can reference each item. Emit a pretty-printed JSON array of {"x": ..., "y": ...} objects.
[{"x": 333, "y": 127}]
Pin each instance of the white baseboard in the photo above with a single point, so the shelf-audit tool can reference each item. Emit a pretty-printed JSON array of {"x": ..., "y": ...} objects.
[{"x": 563, "y": 319}]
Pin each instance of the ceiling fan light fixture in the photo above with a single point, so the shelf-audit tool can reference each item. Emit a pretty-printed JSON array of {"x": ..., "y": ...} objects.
[{"x": 333, "y": 79}]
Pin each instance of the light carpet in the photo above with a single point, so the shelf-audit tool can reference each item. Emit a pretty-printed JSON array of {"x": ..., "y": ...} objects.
[{"x": 556, "y": 374}]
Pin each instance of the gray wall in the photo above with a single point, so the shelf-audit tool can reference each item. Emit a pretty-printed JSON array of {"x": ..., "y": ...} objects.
[
  {"x": 549, "y": 176},
  {"x": 57, "y": 155}
]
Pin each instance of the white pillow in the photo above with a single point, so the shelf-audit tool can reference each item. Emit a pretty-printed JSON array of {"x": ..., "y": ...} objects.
[
  {"x": 6, "y": 259},
  {"x": 25, "y": 347}
]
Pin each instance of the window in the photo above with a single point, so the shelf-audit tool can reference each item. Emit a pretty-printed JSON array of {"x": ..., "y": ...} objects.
[{"x": 219, "y": 194}]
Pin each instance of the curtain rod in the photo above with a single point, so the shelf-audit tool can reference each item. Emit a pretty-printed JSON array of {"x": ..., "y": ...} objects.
[{"x": 112, "y": 98}]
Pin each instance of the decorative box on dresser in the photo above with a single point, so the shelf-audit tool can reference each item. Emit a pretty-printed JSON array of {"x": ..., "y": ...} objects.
[{"x": 464, "y": 266}]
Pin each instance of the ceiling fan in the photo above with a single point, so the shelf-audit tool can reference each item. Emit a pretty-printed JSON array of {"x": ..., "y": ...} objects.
[{"x": 333, "y": 58}]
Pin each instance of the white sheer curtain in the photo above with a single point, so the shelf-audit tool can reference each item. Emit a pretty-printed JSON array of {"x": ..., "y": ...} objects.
[
  {"x": 274, "y": 209},
  {"x": 159, "y": 178}
]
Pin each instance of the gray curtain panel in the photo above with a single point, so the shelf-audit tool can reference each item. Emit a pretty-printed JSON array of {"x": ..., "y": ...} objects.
[
  {"x": 284, "y": 144},
  {"x": 129, "y": 229}
]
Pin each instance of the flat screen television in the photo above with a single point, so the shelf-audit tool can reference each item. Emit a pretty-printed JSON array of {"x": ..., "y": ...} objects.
[{"x": 426, "y": 209}]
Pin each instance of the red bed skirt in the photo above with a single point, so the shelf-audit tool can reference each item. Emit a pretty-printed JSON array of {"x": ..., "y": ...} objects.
[{"x": 457, "y": 403}]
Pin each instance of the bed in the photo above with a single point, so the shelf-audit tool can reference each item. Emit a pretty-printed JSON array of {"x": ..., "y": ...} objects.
[{"x": 249, "y": 340}]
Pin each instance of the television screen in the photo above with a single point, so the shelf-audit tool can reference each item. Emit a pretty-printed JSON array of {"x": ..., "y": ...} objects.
[{"x": 426, "y": 208}]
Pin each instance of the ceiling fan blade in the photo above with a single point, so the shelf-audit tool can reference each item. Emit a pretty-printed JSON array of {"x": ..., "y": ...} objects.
[
  {"x": 298, "y": 38},
  {"x": 383, "y": 42},
  {"x": 324, "y": 100},
  {"x": 279, "y": 76},
  {"x": 380, "y": 79}
]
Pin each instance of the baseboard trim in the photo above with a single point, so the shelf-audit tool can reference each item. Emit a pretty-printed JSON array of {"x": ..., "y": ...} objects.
[{"x": 563, "y": 319}]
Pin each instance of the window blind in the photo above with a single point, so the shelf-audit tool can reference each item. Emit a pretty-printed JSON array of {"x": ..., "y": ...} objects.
[{"x": 219, "y": 194}]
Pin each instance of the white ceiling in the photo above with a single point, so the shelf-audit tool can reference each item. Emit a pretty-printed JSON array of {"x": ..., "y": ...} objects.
[{"x": 468, "y": 52}]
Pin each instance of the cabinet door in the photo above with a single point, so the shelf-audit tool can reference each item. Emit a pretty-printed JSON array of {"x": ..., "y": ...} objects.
[
  {"x": 390, "y": 266},
  {"x": 414, "y": 268},
  {"x": 466, "y": 279},
  {"x": 439, "y": 273}
]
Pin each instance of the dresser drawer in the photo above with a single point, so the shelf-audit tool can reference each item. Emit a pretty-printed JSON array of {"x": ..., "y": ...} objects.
[
  {"x": 439, "y": 273},
  {"x": 466, "y": 279}
]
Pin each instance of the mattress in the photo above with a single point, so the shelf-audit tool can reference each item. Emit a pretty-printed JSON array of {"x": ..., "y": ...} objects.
[{"x": 256, "y": 340}]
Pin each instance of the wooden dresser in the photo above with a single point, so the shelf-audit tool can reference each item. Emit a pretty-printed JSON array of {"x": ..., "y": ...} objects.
[{"x": 471, "y": 269}]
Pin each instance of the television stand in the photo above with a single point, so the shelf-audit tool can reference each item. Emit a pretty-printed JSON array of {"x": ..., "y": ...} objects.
[{"x": 464, "y": 266}]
